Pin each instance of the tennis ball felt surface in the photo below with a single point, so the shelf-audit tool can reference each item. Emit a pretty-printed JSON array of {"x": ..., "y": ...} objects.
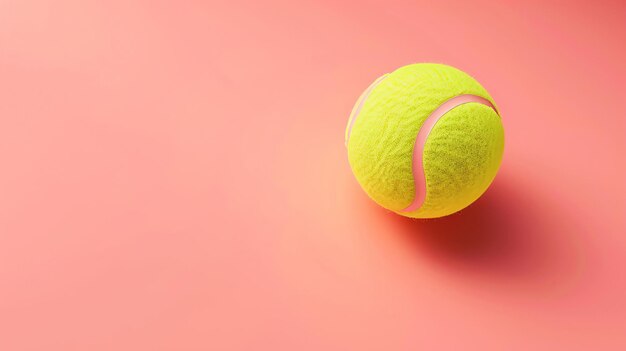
[{"x": 425, "y": 141}]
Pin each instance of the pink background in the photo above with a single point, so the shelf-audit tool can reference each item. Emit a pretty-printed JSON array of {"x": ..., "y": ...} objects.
[{"x": 174, "y": 178}]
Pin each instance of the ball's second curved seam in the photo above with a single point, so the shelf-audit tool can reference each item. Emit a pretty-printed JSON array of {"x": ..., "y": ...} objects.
[{"x": 419, "y": 175}]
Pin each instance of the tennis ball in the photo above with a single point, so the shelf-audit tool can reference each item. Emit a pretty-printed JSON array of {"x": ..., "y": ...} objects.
[{"x": 425, "y": 141}]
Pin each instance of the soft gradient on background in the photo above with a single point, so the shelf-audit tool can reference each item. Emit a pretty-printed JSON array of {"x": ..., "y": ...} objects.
[{"x": 173, "y": 177}]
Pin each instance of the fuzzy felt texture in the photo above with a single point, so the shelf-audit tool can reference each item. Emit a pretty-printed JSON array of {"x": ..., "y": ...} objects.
[
  {"x": 461, "y": 158},
  {"x": 462, "y": 153}
]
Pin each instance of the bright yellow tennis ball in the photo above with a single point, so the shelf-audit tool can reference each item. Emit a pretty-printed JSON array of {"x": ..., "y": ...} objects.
[{"x": 425, "y": 141}]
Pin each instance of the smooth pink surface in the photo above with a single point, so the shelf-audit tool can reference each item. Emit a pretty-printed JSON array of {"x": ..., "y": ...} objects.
[
  {"x": 174, "y": 178},
  {"x": 419, "y": 175}
]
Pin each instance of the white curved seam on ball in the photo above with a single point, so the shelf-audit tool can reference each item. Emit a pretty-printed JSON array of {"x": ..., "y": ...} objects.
[
  {"x": 357, "y": 110},
  {"x": 419, "y": 175}
]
